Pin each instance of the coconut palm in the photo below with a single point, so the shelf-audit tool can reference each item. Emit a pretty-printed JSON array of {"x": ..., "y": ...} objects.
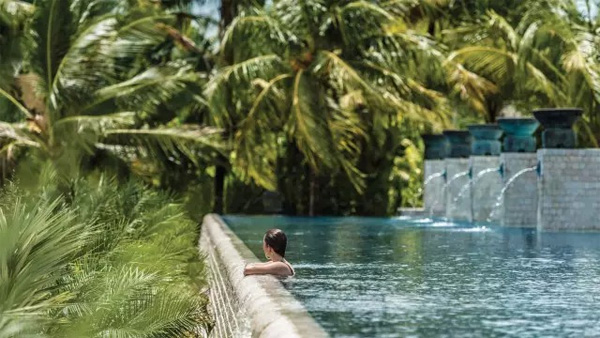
[
  {"x": 322, "y": 78},
  {"x": 547, "y": 59},
  {"x": 86, "y": 83},
  {"x": 500, "y": 64}
]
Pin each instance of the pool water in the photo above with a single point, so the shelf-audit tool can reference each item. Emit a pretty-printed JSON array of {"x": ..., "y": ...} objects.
[{"x": 367, "y": 277}]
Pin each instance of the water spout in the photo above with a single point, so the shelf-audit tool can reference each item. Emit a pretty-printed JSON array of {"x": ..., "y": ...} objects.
[
  {"x": 432, "y": 176},
  {"x": 448, "y": 183},
  {"x": 457, "y": 176},
  {"x": 500, "y": 199},
  {"x": 471, "y": 184}
]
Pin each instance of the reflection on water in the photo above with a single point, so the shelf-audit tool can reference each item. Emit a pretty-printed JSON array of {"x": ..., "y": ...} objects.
[{"x": 365, "y": 277}]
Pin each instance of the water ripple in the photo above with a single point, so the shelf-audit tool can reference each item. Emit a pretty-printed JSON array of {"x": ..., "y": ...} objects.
[{"x": 407, "y": 277}]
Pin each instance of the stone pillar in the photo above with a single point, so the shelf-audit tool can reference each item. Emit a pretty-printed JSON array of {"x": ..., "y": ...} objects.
[
  {"x": 485, "y": 190},
  {"x": 569, "y": 189},
  {"x": 519, "y": 205},
  {"x": 462, "y": 210},
  {"x": 433, "y": 194}
]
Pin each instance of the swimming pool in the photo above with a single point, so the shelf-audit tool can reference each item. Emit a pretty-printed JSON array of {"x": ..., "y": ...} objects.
[{"x": 366, "y": 277}]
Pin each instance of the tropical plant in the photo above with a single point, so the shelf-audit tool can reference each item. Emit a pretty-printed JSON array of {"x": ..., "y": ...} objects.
[
  {"x": 90, "y": 83},
  {"x": 548, "y": 58},
  {"x": 114, "y": 260},
  {"x": 323, "y": 79}
]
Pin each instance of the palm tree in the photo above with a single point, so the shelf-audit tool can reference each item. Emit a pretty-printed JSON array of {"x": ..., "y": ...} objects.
[
  {"x": 118, "y": 260},
  {"x": 548, "y": 58},
  {"x": 321, "y": 79},
  {"x": 87, "y": 84},
  {"x": 499, "y": 64}
]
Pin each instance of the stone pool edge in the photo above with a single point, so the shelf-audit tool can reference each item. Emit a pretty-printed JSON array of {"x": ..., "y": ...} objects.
[{"x": 263, "y": 306}]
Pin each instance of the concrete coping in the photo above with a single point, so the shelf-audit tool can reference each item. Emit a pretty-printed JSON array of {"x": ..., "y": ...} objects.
[
  {"x": 518, "y": 155},
  {"x": 574, "y": 152},
  {"x": 271, "y": 310},
  {"x": 412, "y": 212},
  {"x": 484, "y": 157},
  {"x": 458, "y": 160}
]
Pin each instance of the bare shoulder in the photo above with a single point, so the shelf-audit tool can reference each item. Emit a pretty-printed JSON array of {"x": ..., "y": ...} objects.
[
  {"x": 283, "y": 267},
  {"x": 269, "y": 268}
]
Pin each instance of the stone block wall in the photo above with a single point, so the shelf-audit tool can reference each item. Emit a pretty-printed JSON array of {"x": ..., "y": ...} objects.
[
  {"x": 433, "y": 199},
  {"x": 248, "y": 306},
  {"x": 520, "y": 201},
  {"x": 569, "y": 189},
  {"x": 485, "y": 189},
  {"x": 461, "y": 210}
]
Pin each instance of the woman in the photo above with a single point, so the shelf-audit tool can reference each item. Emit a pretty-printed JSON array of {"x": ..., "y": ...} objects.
[{"x": 274, "y": 244}]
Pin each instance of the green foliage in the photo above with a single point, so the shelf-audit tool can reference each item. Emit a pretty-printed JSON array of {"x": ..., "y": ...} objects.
[
  {"x": 93, "y": 80},
  {"x": 322, "y": 101},
  {"x": 106, "y": 259},
  {"x": 326, "y": 80}
]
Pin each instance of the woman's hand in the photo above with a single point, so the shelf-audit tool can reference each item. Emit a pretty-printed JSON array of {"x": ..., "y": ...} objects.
[{"x": 248, "y": 269}]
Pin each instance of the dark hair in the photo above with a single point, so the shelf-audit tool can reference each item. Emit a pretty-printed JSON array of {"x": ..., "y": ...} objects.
[{"x": 277, "y": 240}]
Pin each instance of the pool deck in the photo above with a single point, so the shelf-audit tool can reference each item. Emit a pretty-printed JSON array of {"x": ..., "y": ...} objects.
[{"x": 252, "y": 306}]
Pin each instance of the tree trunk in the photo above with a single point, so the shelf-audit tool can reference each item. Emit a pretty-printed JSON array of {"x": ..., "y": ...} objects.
[
  {"x": 227, "y": 11},
  {"x": 431, "y": 28},
  {"x": 311, "y": 197},
  {"x": 219, "y": 189}
]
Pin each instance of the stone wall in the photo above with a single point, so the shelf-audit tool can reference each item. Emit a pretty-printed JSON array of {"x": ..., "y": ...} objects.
[
  {"x": 486, "y": 188},
  {"x": 519, "y": 204},
  {"x": 251, "y": 306},
  {"x": 433, "y": 199},
  {"x": 461, "y": 209},
  {"x": 569, "y": 189}
]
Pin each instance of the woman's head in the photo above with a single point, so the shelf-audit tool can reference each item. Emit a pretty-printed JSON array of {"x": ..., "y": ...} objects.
[{"x": 274, "y": 241}]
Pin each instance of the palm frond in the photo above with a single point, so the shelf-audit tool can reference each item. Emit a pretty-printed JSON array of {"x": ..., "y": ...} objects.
[
  {"x": 471, "y": 87},
  {"x": 345, "y": 77},
  {"x": 140, "y": 34},
  {"x": 254, "y": 35},
  {"x": 147, "y": 90},
  {"x": 19, "y": 133},
  {"x": 36, "y": 244},
  {"x": 190, "y": 140},
  {"x": 348, "y": 133},
  {"x": 494, "y": 63},
  {"x": 54, "y": 27},
  {"x": 394, "y": 89},
  {"x": 16, "y": 103},
  {"x": 538, "y": 81},
  {"x": 307, "y": 19},
  {"x": 99, "y": 122},
  {"x": 308, "y": 123},
  {"x": 497, "y": 24},
  {"x": 361, "y": 20},
  {"x": 14, "y": 40},
  {"x": 220, "y": 90},
  {"x": 84, "y": 131},
  {"x": 253, "y": 134},
  {"x": 580, "y": 58},
  {"x": 86, "y": 65}
]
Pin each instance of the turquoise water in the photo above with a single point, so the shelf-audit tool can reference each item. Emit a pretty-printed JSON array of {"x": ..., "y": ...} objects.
[{"x": 364, "y": 277}]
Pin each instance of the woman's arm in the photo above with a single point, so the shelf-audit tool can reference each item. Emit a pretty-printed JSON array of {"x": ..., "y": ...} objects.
[{"x": 269, "y": 268}]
